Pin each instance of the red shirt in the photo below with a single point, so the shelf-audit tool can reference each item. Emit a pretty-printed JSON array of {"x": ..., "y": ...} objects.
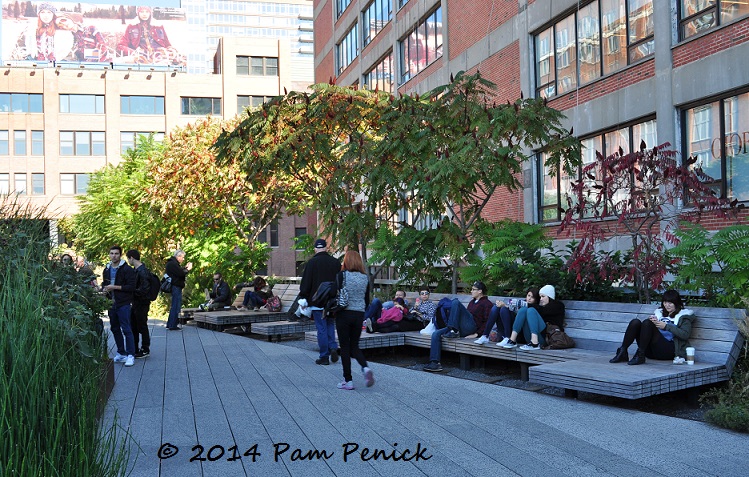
[{"x": 480, "y": 311}]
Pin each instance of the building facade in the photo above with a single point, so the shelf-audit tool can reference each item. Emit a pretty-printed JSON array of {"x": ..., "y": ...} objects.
[
  {"x": 62, "y": 118},
  {"x": 621, "y": 71}
]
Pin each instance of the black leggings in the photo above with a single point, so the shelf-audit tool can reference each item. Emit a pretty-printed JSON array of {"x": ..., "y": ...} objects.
[
  {"x": 349, "y": 324},
  {"x": 649, "y": 339}
]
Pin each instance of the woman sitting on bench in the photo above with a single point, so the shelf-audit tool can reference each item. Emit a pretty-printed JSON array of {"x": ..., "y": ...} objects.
[
  {"x": 531, "y": 320},
  {"x": 664, "y": 335},
  {"x": 257, "y": 297}
]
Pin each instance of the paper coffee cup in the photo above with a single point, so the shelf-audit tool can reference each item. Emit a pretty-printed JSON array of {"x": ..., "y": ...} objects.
[{"x": 690, "y": 355}]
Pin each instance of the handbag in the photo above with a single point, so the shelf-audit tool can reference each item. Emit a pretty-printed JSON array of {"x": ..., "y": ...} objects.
[
  {"x": 166, "y": 284},
  {"x": 557, "y": 339},
  {"x": 339, "y": 301},
  {"x": 273, "y": 303},
  {"x": 430, "y": 328}
]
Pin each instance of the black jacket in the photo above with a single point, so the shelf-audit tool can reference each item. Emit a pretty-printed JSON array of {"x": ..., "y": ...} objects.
[
  {"x": 320, "y": 268},
  {"x": 177, "y": 272},
  {"x": 125, "y": 278},
  {"x": 221, "y": 292},
  {"x": 142, "y": 285}
]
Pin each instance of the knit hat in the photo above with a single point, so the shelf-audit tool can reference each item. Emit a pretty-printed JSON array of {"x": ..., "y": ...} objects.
[
  {"x": 549, "y": 291},
  {"x": 46, "y": 6}
]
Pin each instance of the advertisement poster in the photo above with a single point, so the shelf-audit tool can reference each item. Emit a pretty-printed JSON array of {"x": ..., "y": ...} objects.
[{"x": 94, "y": 33}]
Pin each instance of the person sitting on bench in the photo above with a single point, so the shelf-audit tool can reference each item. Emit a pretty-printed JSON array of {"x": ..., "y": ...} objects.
[
  {"x": 257, "y": 297},
  {"x": 220, "y": 294},
  {"x": 542, "y": 308}
]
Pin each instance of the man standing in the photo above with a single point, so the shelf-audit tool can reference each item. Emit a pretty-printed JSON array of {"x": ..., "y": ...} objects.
[
  {"x": 220, "y": 294},
  {"x": 177, "y": 273},
  {"x": 141, "y": 305},
  {"x": 321, "y": 268},
  {"x": 118, "y": 280}
]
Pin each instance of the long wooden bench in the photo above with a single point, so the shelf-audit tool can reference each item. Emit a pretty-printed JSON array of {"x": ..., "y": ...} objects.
[
  {"x": 598, "y": 328},
  {"x": 220, "y": 320}
]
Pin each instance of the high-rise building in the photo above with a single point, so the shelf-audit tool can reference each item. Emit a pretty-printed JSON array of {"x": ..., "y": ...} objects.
[
  {"x": 81, "y": 82},
  {"x": 622, "y": 71}
]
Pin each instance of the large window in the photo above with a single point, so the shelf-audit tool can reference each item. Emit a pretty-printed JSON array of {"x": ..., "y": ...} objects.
[
  {"x": 4, "y": 183},
  {"x": 4, "y": 143},
  {"x": 716, "y": 134},
  {"x": 20, "y": 183},
  {"x": 82, "y": 103},
  {"x": 603, "y": 36},
  {"x": 37, "y": 184},
  {"x": 244, "y": 102},
  {"x": 348, "y": 49},
  {"x": 128, "y": 139},
  {"x": 201, "y": 106},
  {"x": 20, "y": 103},
  {"x": 696, "y": 16},
  {"x": 82, "y": 143},
  {"x": 381, "y": 75},
  {"x": 142, "y": 104},
  {"x": 422, "y": 46},
  {"x": 257, "y": 65},
  {"x": 72, "y": 184},
  {"x": 553, "y": 192},
  {"x": 374, "y": 18},
  {"x": 340, "y": 6}
]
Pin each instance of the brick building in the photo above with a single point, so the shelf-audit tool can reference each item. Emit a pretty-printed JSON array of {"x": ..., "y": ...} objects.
[{"x": 622, "y": 71}]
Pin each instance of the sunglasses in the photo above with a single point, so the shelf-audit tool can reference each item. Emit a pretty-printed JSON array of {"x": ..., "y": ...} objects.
[{"x": 423, "y": 293}]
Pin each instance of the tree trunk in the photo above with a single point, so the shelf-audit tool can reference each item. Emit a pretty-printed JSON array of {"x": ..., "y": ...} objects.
[{"x": 454, "y": 289}]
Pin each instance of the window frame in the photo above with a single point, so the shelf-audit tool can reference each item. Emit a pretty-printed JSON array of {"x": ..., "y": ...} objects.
[
  {"x": 35, "y": 176},
  {"x": 188, "y": 103},
  {"x": 127, "y": 106},
  {"x": 379, "y": 69},
  {"x": 83, "y": 143},
  {"x": 67, "y": 103},
  {"x": 410, "y": 43},
  {"x": 717, "y": 12}
]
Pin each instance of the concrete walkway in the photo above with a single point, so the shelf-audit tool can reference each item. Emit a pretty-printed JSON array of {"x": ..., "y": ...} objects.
[{"x": 231, "y": 394}]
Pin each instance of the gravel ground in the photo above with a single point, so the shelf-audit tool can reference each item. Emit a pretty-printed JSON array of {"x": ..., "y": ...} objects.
[{"x": 505, "y": 373}]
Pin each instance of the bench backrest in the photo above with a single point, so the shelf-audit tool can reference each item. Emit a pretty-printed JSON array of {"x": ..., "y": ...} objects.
[
  {"x": 601, "y": 325},
  {"x": 286, "y": 291}
]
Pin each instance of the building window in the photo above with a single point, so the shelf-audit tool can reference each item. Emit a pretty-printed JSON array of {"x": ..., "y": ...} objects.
[
  {"x": 19, "y": 143},
  {"x": 82, "y": 103},
  {"x": 142, "y": 104},
  {"x": 374, "y": 18},
  {"x": 696, "y": 16},
  {"x": 716, "y": 135},
  {"x": 201, "y": 106},
  {"x": 273, "y": 229},
  {"x": 37, "y": 184},
  {"x": 72, "y": 184},
  {"x": 300, "y": 232},
  {"x": 348, "y": 49},
  {"x": 20, "y": 183},
  {"x": 263, "y": 236},
  {"x": 37, "y": 143},
  {"x": 129, "y": 139},
  {"x": 4, "y": 184},
  {"x": 20, "y": 103},
  {"x": 553, "y": 192},
  {"x": 4, "y": 143},
  {"x": 381, "y": 75},
  {"x": 82, "y": 143},
  {"x": 422, "y": 46},
  {"x": 244, "y": 102},
  {"x": 341, "y": 6},
  {"x": 580, "y": 48},
  {"x": 257, "y": 65}
]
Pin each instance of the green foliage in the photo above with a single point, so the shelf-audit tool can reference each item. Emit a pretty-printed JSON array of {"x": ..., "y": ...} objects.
[
  {"x": 729, "y": 404},
  {"x": 53, "y": 360},
  {"x": 716, "y": 265}
]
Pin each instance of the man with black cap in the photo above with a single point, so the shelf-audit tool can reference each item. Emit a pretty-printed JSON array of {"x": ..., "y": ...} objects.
[
  {"x": 321, "y": 268},
  {"x": 461, "y": 322}
]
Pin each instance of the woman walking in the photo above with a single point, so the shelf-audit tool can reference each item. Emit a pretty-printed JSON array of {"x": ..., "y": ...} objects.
[{"x": 349, "y": 321}]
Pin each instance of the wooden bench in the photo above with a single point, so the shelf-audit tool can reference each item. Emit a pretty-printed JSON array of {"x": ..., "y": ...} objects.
[
  {"x": 598, "y": 328},
  {"x": 220, "y": 320}
]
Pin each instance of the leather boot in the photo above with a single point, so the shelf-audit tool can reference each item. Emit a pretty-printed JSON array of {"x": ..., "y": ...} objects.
[
  {"x": 638, "y": 358},
  {"x": 621, "y": 356}
]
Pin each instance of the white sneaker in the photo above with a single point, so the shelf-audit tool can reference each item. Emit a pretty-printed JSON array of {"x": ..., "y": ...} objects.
[
  {"x": 118, "y": 358},
  {"x": 504, "y": 341},
  {"x": 482, "y": 340},
  {"x": 529, "y": 347},
  {"x": 508, "y": 345},
  {"x": 130, "y": 360}
]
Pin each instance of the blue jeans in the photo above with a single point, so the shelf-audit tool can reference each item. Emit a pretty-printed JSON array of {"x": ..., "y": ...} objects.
[
  {"x": 175, "y": 308},
  {"x": 325, "y": 333},
  {"x": 503, "y": 318},
  {"x": 460, "y": 319},
  {"x": 529, "y": 321},
  {"x": 119, "y": 319},
  {"x": 374, "y": 310},
  {"x": 252, "y": 297}
]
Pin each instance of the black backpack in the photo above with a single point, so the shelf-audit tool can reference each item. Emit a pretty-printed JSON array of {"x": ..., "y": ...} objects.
[
  {"x": 154, "y": 286},
  {"x": 325, "y": 292}
]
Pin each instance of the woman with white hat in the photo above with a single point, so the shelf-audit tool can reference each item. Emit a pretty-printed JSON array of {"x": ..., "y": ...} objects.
[{"x": 531, "y": 320}]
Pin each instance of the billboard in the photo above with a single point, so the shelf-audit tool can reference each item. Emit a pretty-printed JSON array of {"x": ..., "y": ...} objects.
[{"x": 94, "y": 33}]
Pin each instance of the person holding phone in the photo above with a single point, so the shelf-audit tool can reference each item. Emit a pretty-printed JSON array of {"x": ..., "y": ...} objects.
[{"x": 663, "y": 335}]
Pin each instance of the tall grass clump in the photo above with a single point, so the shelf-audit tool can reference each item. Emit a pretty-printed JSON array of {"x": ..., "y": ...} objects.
[{"x": 53, "y": 360}]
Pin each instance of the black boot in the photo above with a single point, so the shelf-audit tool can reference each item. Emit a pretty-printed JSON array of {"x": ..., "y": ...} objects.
[
  {"x": 638, "y": 358},
  {"x": 621, "y": 356}
]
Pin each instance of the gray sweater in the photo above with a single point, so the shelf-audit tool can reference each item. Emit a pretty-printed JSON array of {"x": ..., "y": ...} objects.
[{"x": 357, "y": 285}]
